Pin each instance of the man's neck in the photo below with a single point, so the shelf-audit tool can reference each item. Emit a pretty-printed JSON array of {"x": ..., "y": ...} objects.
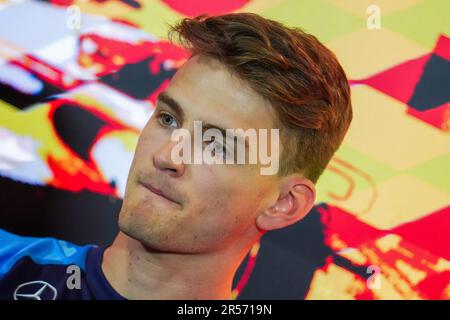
[{"x": 137, "y": 272}]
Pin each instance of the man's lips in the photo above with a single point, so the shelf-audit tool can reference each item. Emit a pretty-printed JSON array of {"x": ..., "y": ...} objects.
[{"x": 157, "y": 191}]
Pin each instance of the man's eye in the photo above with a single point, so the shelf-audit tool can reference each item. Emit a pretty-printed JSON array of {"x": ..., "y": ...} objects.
[
  {"x": 167, "y": 120},
  {"x": 219, "y": 149}
]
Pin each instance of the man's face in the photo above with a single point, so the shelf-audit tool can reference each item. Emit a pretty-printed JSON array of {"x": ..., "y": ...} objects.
[{"x": 211, "y": 206}]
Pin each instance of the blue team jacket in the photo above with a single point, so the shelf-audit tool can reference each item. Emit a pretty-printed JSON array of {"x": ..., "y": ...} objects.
[{"x": 45, "y": 269}]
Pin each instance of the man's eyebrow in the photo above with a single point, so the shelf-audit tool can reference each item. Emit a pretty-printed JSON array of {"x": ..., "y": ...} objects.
[{"x": 165, "y": 98}]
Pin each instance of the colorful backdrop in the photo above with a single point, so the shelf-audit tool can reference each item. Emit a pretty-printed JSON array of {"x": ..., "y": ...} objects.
[{"x": 78, "y": 81}]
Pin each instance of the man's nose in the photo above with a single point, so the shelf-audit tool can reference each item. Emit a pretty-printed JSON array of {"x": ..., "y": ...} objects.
[{"x": 163, "y": 161}]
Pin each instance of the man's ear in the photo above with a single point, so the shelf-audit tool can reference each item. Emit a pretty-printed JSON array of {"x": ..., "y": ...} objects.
[{"x": 296, "y": 199}]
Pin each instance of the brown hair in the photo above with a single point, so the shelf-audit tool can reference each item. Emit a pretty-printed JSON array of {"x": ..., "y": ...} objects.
[{"x": 298, "y": 75}]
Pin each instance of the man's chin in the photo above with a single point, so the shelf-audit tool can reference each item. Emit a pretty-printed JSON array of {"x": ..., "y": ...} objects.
[
  {"x": 124, "y": 225},
  {"x": 143, "y": 239},
  {"x": 132, "y": 224},
  {"x": 127, "y": 224},
  {"x": 133, "y": 232}
]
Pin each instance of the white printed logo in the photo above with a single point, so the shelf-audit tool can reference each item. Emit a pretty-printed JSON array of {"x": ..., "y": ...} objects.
[{"x": 35, "y": 290}]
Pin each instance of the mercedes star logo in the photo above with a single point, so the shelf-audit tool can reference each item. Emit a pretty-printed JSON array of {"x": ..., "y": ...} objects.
[{"x": 35, "y": 290}]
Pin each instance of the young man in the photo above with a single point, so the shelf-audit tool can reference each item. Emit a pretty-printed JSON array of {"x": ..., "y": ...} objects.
[{"x": 186, "y": 227}]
